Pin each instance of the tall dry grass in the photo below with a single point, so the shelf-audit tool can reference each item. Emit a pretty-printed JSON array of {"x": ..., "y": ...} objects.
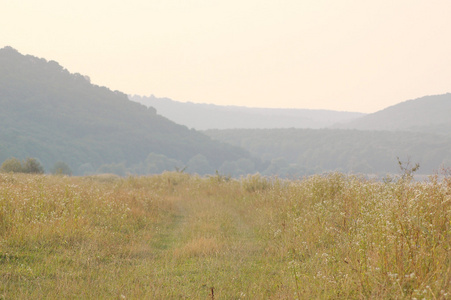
[
  {"x": 176, "y": 236},
  {"x": 353, "y": 238}
]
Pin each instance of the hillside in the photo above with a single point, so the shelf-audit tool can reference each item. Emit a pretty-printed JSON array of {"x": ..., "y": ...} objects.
[
  {"x": 426, "y": 114},
  {"x": 309, "y": 151},
  {"x": 53, "y": 115},
  {"x": 209, "y": 116}
]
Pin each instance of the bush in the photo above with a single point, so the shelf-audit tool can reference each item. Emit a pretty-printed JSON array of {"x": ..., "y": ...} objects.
[
  {"x": 61, "y": 168},
  {"x": 29, "y": 165},
  {"x": 33, "y": 166},
  {"x": 11, "y": 165}
]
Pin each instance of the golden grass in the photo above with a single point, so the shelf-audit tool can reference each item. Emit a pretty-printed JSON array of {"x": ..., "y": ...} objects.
[
  {"x": 198, "y": 247},
  {"x": 176, "y": 236}
]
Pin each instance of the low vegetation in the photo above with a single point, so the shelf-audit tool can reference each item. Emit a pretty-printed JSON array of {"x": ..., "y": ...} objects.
[
  {"x": 29, "y": 165},
  {"x": 186, "y": 237}
]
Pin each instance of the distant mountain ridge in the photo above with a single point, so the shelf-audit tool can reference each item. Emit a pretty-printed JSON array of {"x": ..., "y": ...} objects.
[
  {"x": 210, "y": 116},
  {"x": 426, "y": 114}
]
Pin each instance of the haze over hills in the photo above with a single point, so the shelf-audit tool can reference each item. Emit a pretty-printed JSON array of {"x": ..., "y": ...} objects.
[
  {"x": 210, "y": 116},
  {"x": 53, "y": 115},
  {"x": 418, "y": 130},
  {"x": 426, "y": 114},
  {"x": 298, "y": 152}
]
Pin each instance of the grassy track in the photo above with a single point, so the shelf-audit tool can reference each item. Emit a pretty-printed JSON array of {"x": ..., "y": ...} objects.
[
  {"x": 212, "y": 247},
  {"x": 176, "y": 236}
]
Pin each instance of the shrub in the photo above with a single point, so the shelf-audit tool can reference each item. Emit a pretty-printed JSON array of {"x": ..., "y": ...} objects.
[
  {"x": 61, "y": 168},
  {"x": 11, "y": 165},
  {"x": 33, "y": 166}
]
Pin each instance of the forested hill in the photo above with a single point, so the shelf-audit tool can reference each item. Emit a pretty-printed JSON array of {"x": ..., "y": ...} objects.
[
  {"x": 209, "y": 116},
  {"x": 299, "y": 152},
  {"x": 53, "y": 115},
  {"x": 426, "y": 114}
]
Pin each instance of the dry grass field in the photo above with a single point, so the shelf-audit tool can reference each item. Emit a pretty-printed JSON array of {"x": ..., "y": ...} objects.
[{"x": 177, "y": 236}]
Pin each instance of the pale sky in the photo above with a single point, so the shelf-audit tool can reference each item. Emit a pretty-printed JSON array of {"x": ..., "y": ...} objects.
[{"x": 321, "y": 54}]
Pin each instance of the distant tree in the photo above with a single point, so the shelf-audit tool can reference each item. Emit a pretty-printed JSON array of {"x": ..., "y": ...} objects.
[
  {"x": 11, "y": 165},
  {"x": 407, "y": 168},
  {"x": 199, "y": 164},
  {"x": 229, "y": 168},
  {"x": 33, "y": 166},
  {"x": 114, "y": 168},
  {"x": 158, "y": 163},
  {"x": 247, "y": 165},
  {"x": 277, "y": 166},
  {"x": 152, "y": 109},
  {"x": 61, "y": 168},
  {"x": 86, "y": 169}
]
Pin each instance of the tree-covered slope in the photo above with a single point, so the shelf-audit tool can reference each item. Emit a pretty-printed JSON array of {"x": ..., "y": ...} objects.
[
  {"x": 308, "y": 151},
  {"x": 53, "y": 115},
  {"x": 426, "y": 114},
  {"x": 209, "y": 116}
]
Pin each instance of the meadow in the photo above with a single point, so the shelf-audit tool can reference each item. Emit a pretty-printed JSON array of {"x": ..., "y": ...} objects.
[{"x": 180, "y": 236}]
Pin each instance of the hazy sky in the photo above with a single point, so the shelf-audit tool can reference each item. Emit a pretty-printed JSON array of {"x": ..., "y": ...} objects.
[{"x": 338, "y": 54}]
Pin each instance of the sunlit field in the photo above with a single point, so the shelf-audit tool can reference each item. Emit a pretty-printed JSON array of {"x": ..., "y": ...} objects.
[{"x": 178, "y": 236}]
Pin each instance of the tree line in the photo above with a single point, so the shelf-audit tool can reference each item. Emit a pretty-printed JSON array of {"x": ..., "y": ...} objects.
[{"x": 32, "y": 165}]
